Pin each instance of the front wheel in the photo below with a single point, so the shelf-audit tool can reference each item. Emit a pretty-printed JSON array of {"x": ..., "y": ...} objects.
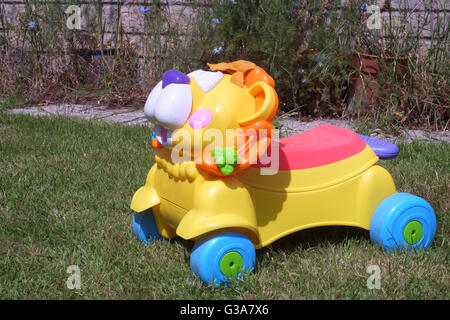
[
  {"x": 217, "y": 259},
  {"x": 403, "y": 221},
  {"x": 144, "y": 227}
]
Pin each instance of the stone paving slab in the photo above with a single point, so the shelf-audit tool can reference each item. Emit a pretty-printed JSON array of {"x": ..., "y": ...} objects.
[
  {"x": 125, "y": 116},
  {"x": 290, "y": 126}
]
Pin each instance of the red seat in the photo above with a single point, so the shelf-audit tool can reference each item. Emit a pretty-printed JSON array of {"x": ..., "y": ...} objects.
[{"x": 319, "y": 146}]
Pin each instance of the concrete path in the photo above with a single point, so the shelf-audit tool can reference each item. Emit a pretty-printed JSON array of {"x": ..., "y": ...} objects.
[
  {"x": 290, "y": 126},
  {"x": 126, "y": 116}
]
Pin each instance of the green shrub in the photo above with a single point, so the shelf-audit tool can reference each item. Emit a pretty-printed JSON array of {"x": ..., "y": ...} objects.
[
  {"x": 306, "y": 46},
  {"x": 310, "y": 48}
]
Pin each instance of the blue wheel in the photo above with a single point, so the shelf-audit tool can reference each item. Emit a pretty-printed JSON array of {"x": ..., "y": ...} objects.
[
  {"x": 144, "y": 227},
  {"x": 217, "y": 259},
  {"x": 403, "y": 221}
]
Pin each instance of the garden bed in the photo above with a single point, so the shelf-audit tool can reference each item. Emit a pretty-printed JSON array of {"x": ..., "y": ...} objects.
[{"x": 307, "y": 46}]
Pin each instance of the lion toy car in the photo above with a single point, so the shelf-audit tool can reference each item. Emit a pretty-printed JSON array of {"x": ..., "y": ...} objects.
[{"x": 223, "y": 179}]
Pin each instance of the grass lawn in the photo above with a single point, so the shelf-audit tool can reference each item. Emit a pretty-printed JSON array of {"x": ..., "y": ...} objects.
[{"x": 65, "y": 189}]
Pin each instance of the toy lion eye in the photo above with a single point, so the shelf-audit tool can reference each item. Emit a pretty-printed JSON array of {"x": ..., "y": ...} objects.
[{"x": 206, "y": 80}]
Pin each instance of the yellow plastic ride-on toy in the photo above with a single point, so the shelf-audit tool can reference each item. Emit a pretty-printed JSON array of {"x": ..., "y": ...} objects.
[{"x": 221, "y": 198}]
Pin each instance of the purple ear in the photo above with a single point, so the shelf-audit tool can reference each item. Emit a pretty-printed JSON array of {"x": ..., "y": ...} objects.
[{"x": 174, "y": 76}]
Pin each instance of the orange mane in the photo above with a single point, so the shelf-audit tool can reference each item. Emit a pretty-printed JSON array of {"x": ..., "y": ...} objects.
[{"x": 245, "y": 73}]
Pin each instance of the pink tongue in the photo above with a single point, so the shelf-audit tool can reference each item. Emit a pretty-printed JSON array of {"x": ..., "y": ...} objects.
[{"x": 163, "y": 134}]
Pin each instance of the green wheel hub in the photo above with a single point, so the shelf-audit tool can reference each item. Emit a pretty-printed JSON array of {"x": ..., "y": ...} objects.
[
  {"x": 413, "y": 232},
  {"x": 231, "y": 264}
]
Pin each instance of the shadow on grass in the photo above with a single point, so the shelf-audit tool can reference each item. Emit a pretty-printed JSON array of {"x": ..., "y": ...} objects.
[
  {"x": 317, "y": 237},
  {"x": 300, "y": 240}
]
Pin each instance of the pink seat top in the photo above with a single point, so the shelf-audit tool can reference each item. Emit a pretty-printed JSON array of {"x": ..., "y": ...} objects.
[{"x": 319, "y": 146}]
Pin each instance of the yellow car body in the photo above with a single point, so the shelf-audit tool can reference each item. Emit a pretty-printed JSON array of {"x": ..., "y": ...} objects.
[{"x": 188, "y": 203}]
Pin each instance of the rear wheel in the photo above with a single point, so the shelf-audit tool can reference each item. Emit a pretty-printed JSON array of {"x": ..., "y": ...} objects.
[
  {"x": 403, "y": 221},
  {"x": 218, "y": 258}
]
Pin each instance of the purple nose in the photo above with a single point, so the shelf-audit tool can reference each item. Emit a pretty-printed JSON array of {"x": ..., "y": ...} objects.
[{"x": 174, "y": 76}]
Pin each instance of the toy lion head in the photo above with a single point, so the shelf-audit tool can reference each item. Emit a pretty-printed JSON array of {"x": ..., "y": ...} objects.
[{"x": 227, "y": 106}]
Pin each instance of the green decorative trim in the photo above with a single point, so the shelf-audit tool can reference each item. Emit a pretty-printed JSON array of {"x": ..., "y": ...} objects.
[
  {"x": 226, "y": 159},
  {"x": 413, "y": 232}
]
